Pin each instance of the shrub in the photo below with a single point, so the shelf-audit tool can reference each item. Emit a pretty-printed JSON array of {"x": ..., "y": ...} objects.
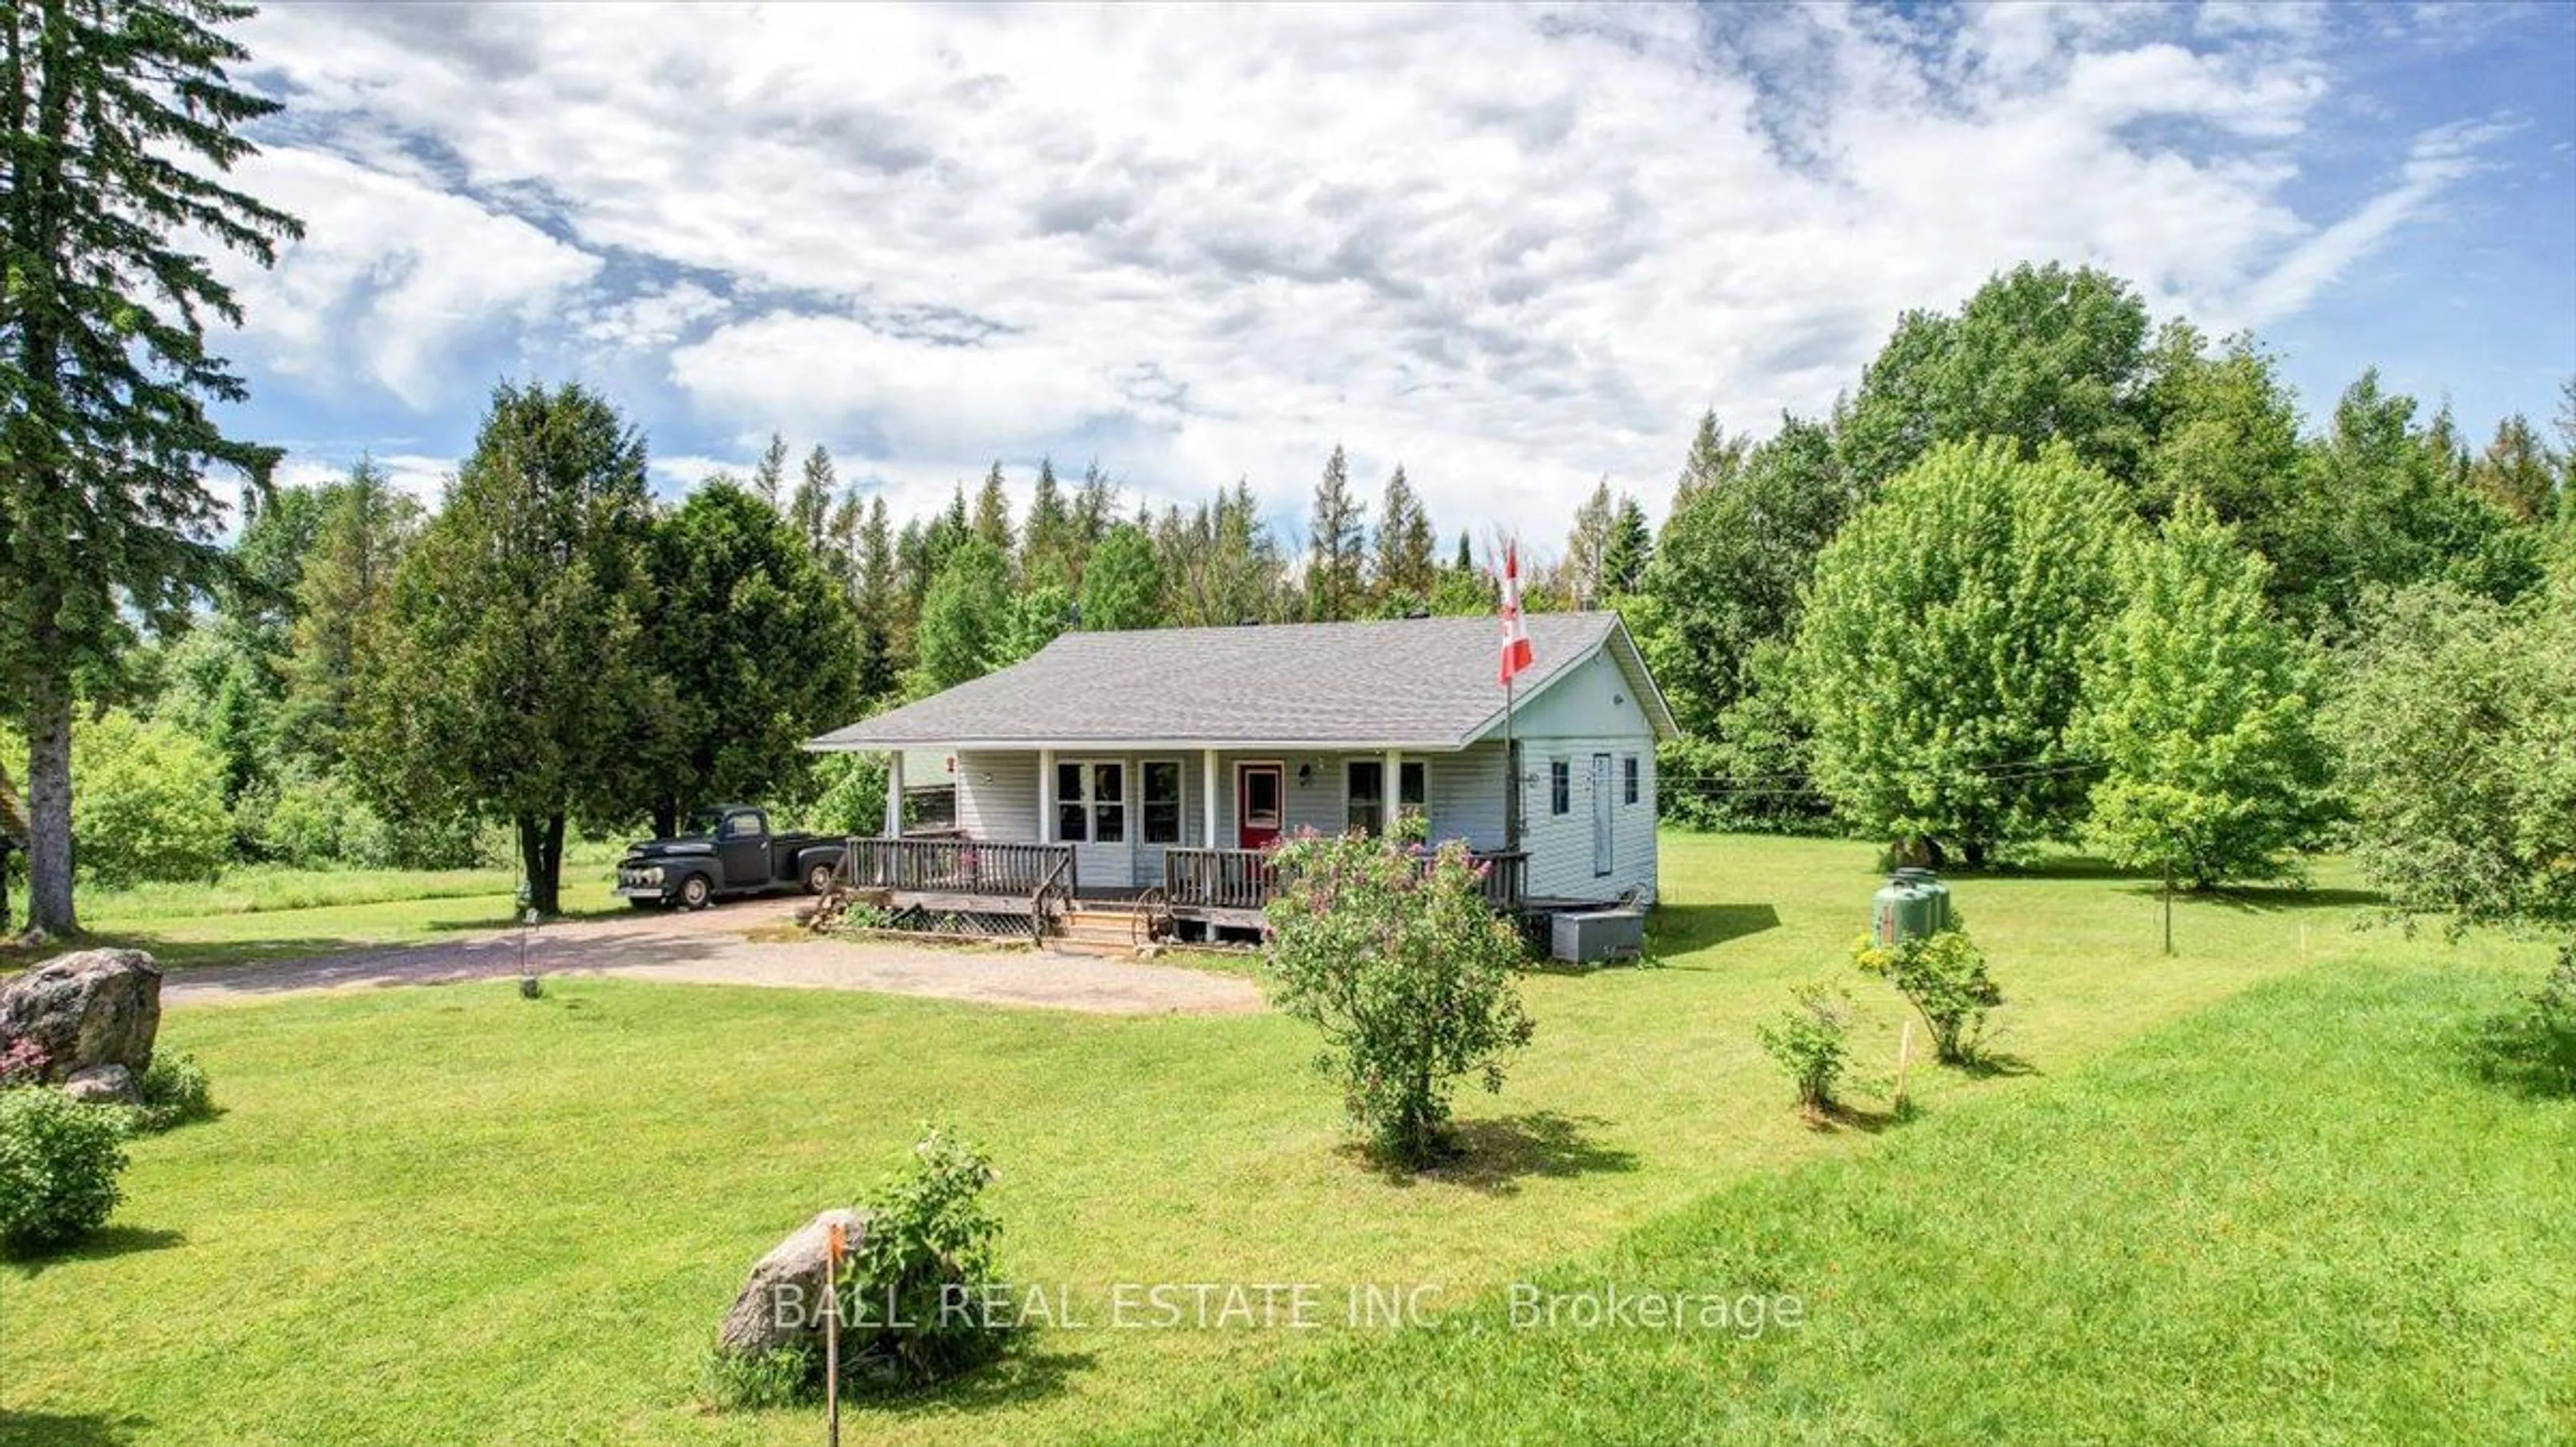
[
  {"x": 1393, "y": 953},
  {"x": 1812, "y": 1041},
  {"x": 23, "y": 1063},
  {"x": 926, "y": 1252},
  {"x": 1945, "y": 978},
  {"x": 59, "y": 1160},
  {"x": 175, "y": 1091},
  {"x": 148, "y": 803}
]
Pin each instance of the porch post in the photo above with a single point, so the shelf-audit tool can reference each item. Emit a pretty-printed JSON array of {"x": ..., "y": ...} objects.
[
  {"x": 1046, "y": 796},
  {"x": 1391, "y": 791},
  {"x": 894, "y": 794},
  {"x": 1207, "y": 798}
]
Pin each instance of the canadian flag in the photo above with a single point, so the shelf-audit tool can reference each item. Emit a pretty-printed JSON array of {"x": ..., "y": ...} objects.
[{"x": 1516, "y": 644}]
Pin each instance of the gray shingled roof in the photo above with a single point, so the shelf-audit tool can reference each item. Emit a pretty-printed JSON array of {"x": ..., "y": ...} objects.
[{"x": 1417, "y": 682}]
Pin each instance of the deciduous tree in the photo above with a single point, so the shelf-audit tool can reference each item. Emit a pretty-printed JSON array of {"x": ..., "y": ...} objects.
[
  {"x": 1940, "y": 655},
  {"x": 2200, "y": 708}
]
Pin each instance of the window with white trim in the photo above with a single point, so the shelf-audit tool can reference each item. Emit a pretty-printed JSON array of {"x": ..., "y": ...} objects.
[
  {"x": 1560, "y": 787},
  {"x": 1160, "y": 781},
  {"x": 1364, "y": 793},
  {"x": 1628, "y": 786},
  {"x": 1091, "y": 802}
]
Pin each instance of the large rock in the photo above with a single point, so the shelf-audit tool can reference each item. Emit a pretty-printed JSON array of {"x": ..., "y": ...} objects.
[
  {"x": 782, "y": 1304},
  {"x": 104, "y": 1085},
  {"x": 92, "y": 1008}
]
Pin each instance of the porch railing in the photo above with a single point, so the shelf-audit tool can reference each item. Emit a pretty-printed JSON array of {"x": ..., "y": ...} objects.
[
  {"x": 1248, "y": 878},
  {"x": 1219, "y": 878},
  {"x": 960, "y": 866}
]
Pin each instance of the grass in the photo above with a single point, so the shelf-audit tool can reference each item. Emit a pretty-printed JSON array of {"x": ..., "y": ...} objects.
[
  {"x": 450, "y": 1215},
  {"x": 2304, "y": 1215},
  {"x": 259, "y": 912}
]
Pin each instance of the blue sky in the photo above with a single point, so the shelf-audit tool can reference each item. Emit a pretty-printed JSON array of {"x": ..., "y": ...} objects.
[{"x": 1516, "y": 249}]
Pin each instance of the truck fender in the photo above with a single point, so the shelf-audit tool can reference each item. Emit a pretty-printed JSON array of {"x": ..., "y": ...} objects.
[{"x": 818, "y": 857}]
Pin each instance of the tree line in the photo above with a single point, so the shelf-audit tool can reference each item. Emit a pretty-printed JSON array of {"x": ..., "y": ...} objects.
[{"x": 2048, "y": 567}]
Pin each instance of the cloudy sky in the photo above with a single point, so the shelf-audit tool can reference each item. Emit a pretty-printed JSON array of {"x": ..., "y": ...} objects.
[{"x": 1516, "y": 249}]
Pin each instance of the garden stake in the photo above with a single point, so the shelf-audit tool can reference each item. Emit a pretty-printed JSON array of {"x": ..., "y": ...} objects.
[
  {"x": 832, "y": 1339},
  {"x": 1904, "y": 1054}
]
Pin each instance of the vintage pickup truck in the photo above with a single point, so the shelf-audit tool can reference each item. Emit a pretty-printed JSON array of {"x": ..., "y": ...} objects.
[{"x": 725, "y": 850}]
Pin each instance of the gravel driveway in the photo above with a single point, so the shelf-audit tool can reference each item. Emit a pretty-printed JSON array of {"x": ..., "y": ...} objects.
[{"x": 710, "y": 948}]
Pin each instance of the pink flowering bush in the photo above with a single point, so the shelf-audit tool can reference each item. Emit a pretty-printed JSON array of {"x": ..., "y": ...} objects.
[{"x": 1391, "y": 951}]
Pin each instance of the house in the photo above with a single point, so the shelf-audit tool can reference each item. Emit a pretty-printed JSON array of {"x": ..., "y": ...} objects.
[{"x": 1151, "y": 770}]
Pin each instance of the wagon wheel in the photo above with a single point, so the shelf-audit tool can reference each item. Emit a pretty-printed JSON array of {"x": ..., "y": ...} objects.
[{"x": 1153, "y": 916}]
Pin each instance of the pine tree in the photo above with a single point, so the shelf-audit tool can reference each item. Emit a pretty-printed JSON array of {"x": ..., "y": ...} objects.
[
  {"x": 769, "y": 475},
  {"x": 2516, "y": 472},
  {"x": 1632, "y": 547},
  {"x": 1095, "y": 510},
  {"x": 122, "y": 122},
  {"x": 880, "y": 597},
  {"x": 1465, "y": 561},
  {"x": 1405, "y": 571},
  {"x": 993, "y": 512},
  {"x": 1046, "y": 548},
  {"x": 1587, "y": 547},
  {"x": 1715, "y": 456},
  {"x": 1336, "y": 534},
  {"x": 367, "y": 526},
  {"x": 810, "y": 511},
  {"x": 1122, "y": 586}
]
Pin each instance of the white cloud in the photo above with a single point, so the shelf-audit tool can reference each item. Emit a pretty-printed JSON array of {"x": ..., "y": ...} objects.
[
  {"x": 391, "y": 276},
  {"x": 1515, "y": 249}
]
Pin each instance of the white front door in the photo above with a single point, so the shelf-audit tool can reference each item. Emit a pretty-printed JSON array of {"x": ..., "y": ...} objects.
[{"x": 1601, "y": 831}]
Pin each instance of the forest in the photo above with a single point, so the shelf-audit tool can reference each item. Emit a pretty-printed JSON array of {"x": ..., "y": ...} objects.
[{"x": 2047, "y": 569}]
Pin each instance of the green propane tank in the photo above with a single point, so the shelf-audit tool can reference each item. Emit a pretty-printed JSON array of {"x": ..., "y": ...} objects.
[{"x": 1912, "y": 905}]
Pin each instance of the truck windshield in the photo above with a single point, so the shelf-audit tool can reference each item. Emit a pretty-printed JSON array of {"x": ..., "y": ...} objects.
[{"x": 702, "y": 822}]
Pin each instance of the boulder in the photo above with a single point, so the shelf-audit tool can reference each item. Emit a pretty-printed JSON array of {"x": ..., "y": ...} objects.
[
  {"x": 90, "y": 1008},
  {"x": 782, "y": 1304},
  {"x": 104, "y": 1085}
]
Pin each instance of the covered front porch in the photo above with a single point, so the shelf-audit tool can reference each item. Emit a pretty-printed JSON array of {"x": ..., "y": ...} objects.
[
  {"x": 1188, "y": 829},
  {"x": 969, "y": 885}
]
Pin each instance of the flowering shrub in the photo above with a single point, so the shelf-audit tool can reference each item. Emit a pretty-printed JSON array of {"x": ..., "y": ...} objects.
[
  {"x": 1945, "y": 978},
  {"x": 1391, "y": 951},
  {"x": 23, "y": 1063}
]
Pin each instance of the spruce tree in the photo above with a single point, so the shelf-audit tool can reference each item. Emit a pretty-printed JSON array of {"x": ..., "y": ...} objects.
[
  {"x": 769, "y": 475},
  {"x": 811, "y": 510},
  {"x": 1405, "y": 571},
  {"x": 993, "y": 512},
  {"x": 122, "y": 125},
  {"x": 1335, "y": 543}
]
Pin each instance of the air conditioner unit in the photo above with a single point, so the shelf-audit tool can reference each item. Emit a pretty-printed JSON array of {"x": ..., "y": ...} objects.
[{"x": 1590, "y": 938}]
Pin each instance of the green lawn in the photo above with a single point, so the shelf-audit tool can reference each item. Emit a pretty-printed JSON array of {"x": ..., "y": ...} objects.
[
  {"x": 265, "y": 912},
  {"x": 447, "y": 1214}
]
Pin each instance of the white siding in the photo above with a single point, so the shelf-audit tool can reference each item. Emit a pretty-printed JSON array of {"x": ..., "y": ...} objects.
[
  {"x": 997, "y": 796},
  {"x": 1592, "y": 711},
  {"x": 997, "y": 799}
]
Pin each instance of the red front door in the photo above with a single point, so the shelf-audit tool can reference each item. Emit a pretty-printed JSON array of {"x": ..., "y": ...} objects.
[{"x": 1257, "y": 802}]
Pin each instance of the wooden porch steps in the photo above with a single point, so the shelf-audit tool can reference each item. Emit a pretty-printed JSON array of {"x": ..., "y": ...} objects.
[{"x": 1092, "y": 928}]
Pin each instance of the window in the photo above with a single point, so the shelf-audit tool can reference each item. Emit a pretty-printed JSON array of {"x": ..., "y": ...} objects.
[
  {"x": 1628, "y": 786},
  {"x": 745, "y": 825},
  {"x": 1162, "y": 801},
  {"x": 1560, "y": 787},
  {"x": 1091, "y": 803},
  {"x": 1365, "y": 796}
]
